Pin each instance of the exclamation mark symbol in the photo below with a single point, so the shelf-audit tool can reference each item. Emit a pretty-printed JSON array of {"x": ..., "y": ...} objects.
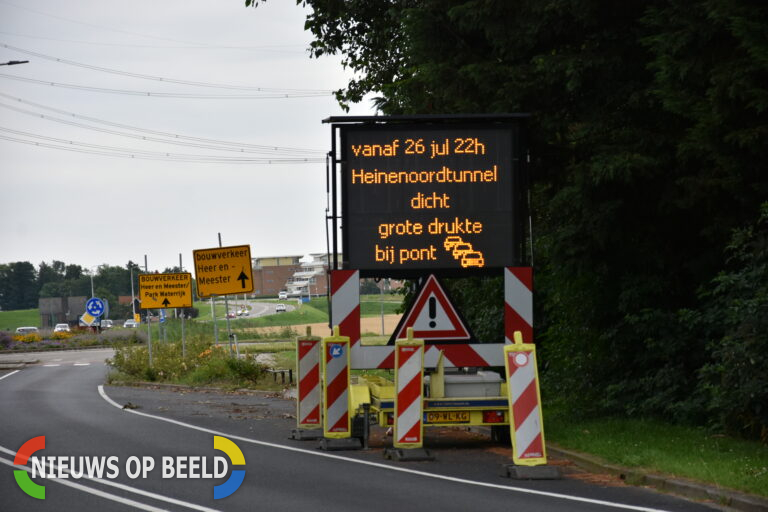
[{"x": 432, "y": 312}]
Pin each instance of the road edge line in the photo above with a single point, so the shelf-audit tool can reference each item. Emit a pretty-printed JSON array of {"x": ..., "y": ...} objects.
[{"x": 380, "y": 465}]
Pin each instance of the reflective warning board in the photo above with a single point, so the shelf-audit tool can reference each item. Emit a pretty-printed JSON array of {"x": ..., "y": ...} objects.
[
  {"x": 165, "y": 290},
  {"x": 433, "y": 317},
  {"x": 223, "y": 270}
]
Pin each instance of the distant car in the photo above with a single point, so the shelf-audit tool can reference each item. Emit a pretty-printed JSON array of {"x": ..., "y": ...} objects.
[
  {"x": 231, "y": 314},
  {"x": 282, "y": 295},
  {"x": 450, "y": 242},
  {"x": 106, "y": 324},
  {"x": 26, "y": 330},
  {"x": 280, "y": 308},
  {"x": 243, "y": 312},
  {"x": 62, "y": 328},
  {"x": 460, "y": 249},
  {"x": 131, "y": 324},
  {"x": 472, "y": 259}
]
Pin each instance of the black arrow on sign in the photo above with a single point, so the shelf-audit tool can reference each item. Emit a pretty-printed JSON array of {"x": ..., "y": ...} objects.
[
  {"x": 166, "y": 302},
  {"x": 242, "y": 278}
]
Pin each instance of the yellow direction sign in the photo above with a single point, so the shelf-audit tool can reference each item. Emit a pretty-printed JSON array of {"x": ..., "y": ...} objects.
[
  {"x": 223, "y": 270},
  {"x": 165, "y": 290}
]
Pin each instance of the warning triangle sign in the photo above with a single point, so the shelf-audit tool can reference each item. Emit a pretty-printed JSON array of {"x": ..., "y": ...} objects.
[{"x": 433, "y": 317}]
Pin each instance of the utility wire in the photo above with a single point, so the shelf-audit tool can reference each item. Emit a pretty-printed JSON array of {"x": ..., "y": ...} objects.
[
  {"x": 167, "y": 134},
  {"x": 165, "y": 94},
  {"x": 273, "y": 151},
  {"x": 84, "y": 147},
  {"x": 278, "y": 48},
  {"x": 169, "y": 80},
  {"x": 70, "y": 20}
]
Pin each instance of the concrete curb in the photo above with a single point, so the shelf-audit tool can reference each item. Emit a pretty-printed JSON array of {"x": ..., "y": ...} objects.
[
  {"x": 184, "y": 387},
  {"x": 693, "y": 490}
]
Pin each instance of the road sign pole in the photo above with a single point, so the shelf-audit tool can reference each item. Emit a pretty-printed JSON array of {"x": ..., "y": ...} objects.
[
  {"x": 215, "y": 323},
  {"x": 183, "y": 338},
  {"x": 149, "y": 337},
  {"x": 229, "y": 327}
]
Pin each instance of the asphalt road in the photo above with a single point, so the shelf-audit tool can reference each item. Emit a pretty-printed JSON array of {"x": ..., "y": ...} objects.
[{"x": 65, "y": 404}]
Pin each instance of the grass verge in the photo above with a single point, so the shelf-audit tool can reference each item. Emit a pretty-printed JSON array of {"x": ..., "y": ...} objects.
[
  {"x": 655, "y": 446},
  {"x": 10, "y": 320}
]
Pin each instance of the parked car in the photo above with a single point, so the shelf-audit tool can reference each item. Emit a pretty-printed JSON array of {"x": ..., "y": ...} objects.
[
  {"x": 62, "y": 328},
  {"x": 26, "y": 330},
  {"x": 131, "y": 324},
  {"x": 282, "y": 295},
  {"x": 280, "y": 308}
]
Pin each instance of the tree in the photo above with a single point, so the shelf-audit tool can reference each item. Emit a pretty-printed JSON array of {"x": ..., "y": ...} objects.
[
  {"x": 18, "y": 287},
  {"x": 648, "y": 138}
]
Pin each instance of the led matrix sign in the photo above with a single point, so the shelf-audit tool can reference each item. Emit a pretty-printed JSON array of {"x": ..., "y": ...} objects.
[{"x": 430, "y": 197}]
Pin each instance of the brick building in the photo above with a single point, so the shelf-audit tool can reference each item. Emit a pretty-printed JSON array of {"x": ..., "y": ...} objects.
[{"x": 271, "y": 273}]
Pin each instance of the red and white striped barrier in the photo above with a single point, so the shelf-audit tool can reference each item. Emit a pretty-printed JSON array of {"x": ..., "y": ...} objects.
[
  {"x": 345, "y": 303},
  {"x": 518, "y": 303},
  {"x": 518, "y": 316},
  {"x": 409, "y": 400},
  {"x": 308, "y": 381},
  {"x": 335, "y": 357},
  {"x": 526, "y": 422}
]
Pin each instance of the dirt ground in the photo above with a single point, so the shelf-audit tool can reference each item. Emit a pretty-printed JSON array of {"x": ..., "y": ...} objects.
[{"x": 371, "y": 324}]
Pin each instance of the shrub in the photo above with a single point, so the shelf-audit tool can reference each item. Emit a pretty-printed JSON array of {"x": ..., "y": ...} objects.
[
  {"x": 202, "y": 364},
  {"x": 27, "y": 338}
]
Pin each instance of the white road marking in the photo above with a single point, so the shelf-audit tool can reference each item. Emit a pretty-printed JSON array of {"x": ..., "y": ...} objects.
[
  {"x": 82, "y": 364},
  {"x": 114, "y": 497},
  {"x": 51, "y": 365},
  {"x": 9, "y": 374},
  {"x": 95, "y": 492},
  {"x": 380, "y": 465}
]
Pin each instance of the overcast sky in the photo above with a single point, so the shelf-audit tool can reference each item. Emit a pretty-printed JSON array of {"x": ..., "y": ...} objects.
[{"x": 80, "y": 207}]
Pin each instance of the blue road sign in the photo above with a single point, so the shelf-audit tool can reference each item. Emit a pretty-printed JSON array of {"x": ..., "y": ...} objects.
[
  {"x": 337, "y": 351},
  {"x": 95, "y": 307}
]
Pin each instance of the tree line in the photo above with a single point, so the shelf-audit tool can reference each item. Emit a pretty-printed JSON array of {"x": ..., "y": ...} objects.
[
  {"x": 649, "y": 143},
  {"x": 22, "y": 284}
]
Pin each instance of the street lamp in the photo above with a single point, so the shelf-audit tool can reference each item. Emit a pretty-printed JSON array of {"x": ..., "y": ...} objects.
[{"x": 13, "y": 62}]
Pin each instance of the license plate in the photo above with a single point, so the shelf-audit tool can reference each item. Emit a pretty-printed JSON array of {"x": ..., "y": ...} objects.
[{"x": 447, "y": 417}]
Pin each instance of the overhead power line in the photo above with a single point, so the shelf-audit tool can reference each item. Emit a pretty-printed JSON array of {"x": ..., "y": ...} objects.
[
  {"x": 319, "y": 92},
  {"x": 277, "y": 48},
  {"x": 147, "y": 138},
  {"x": 84, "y": 147},
  {"x": 70, "y": 20},
  {"x": 165, "y": 94},
  {"x": 174, "y": 136}
]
